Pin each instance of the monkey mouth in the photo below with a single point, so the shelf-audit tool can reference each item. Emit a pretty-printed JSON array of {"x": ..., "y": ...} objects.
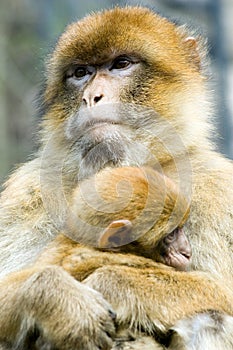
[
  {"x": 98, "y": 123},
  {"x": 183, "y": 260},
  {"x": 102, "y": 130},
  {"x": 178, "y": 260},
  {"x": 185, "y": 257}
]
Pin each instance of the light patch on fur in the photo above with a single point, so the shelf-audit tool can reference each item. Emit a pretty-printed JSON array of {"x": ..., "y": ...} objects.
[{"x": 207, "y": 331}]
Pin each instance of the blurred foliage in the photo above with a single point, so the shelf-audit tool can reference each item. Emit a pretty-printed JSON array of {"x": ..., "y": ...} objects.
[{"x": 28, "y": 32}]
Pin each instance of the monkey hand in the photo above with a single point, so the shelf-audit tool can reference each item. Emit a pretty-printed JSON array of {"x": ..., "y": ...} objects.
[{"x": 65, "y": 313}]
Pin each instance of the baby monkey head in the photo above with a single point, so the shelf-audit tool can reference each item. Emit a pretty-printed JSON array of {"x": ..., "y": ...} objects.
[{"x": 131, "y": 210}]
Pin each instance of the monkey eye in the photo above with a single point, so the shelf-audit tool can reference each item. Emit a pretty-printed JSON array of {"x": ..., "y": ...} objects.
[
  {"x": 80, "y": 72},
  {"x": 121, "y": 63},
  {"x": 171, "y": 236}
]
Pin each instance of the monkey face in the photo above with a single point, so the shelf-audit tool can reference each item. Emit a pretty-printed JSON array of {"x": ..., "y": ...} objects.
[
  {"x": 122, "y": 55},
  {"x": 114, "y": 78}
]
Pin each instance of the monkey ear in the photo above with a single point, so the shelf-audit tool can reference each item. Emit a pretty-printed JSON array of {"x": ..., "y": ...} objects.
[
  {"x": 116, "y": 234},
  {"x": 192, "y": 47}
]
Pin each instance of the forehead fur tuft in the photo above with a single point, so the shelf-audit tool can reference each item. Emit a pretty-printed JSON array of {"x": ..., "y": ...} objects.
[{"x": 133, "y": 30}]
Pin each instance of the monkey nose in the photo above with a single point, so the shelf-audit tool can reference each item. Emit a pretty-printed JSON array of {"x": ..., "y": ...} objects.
[{"x": 91, "y": 101}]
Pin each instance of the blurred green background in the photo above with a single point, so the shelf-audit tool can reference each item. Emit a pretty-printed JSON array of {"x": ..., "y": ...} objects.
[{"x": 28, "y": 32}]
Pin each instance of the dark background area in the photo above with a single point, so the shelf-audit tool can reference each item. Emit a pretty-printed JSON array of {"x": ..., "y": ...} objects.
[{"x": 29, "y": 30}]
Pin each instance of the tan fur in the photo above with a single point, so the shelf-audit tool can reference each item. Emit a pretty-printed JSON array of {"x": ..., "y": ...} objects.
[
  {"x": 46, "y": 297},
  {"x": 167, "y": 80},
  {"x": 149, "y": 200}
]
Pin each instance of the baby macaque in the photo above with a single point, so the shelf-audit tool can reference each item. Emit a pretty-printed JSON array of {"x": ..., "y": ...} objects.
[
  {"x": 142, "y": 210},
  {"x": 134, "y": 210}
]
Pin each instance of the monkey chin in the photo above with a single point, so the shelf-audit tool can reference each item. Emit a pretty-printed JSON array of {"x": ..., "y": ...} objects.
[{"x": 100, "y": 147}]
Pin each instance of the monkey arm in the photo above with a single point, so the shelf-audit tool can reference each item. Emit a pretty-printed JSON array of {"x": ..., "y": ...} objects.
[
  {"x": 143, "y": 292},
  {"x": 158, "y": 294},
  {"x": 80, "y": 261},
  {"x": 157, "y": 297},
  {"x": 47, "y": 298},
  {"x": 50, "y": 300}
]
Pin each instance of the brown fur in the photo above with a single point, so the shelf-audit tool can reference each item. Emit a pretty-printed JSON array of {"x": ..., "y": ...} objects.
[{"x": 169, "y": 82}]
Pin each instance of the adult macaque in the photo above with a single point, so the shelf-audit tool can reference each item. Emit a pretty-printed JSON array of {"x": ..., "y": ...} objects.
[
  {"x": 50, "y": 306},
  {"x": 123, "y": 87}
]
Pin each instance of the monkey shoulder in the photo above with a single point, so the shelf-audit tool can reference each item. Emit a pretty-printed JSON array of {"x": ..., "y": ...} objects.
[
  {"x": 213, "y": 187},
  {"x": 23, "y": 186}
]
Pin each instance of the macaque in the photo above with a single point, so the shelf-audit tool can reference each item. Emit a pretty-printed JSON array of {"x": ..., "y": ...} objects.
[
  {"x": 152, "y": 205},
  {"x": 131, "y": 210},
  {"x": 123, "y": 87}
]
